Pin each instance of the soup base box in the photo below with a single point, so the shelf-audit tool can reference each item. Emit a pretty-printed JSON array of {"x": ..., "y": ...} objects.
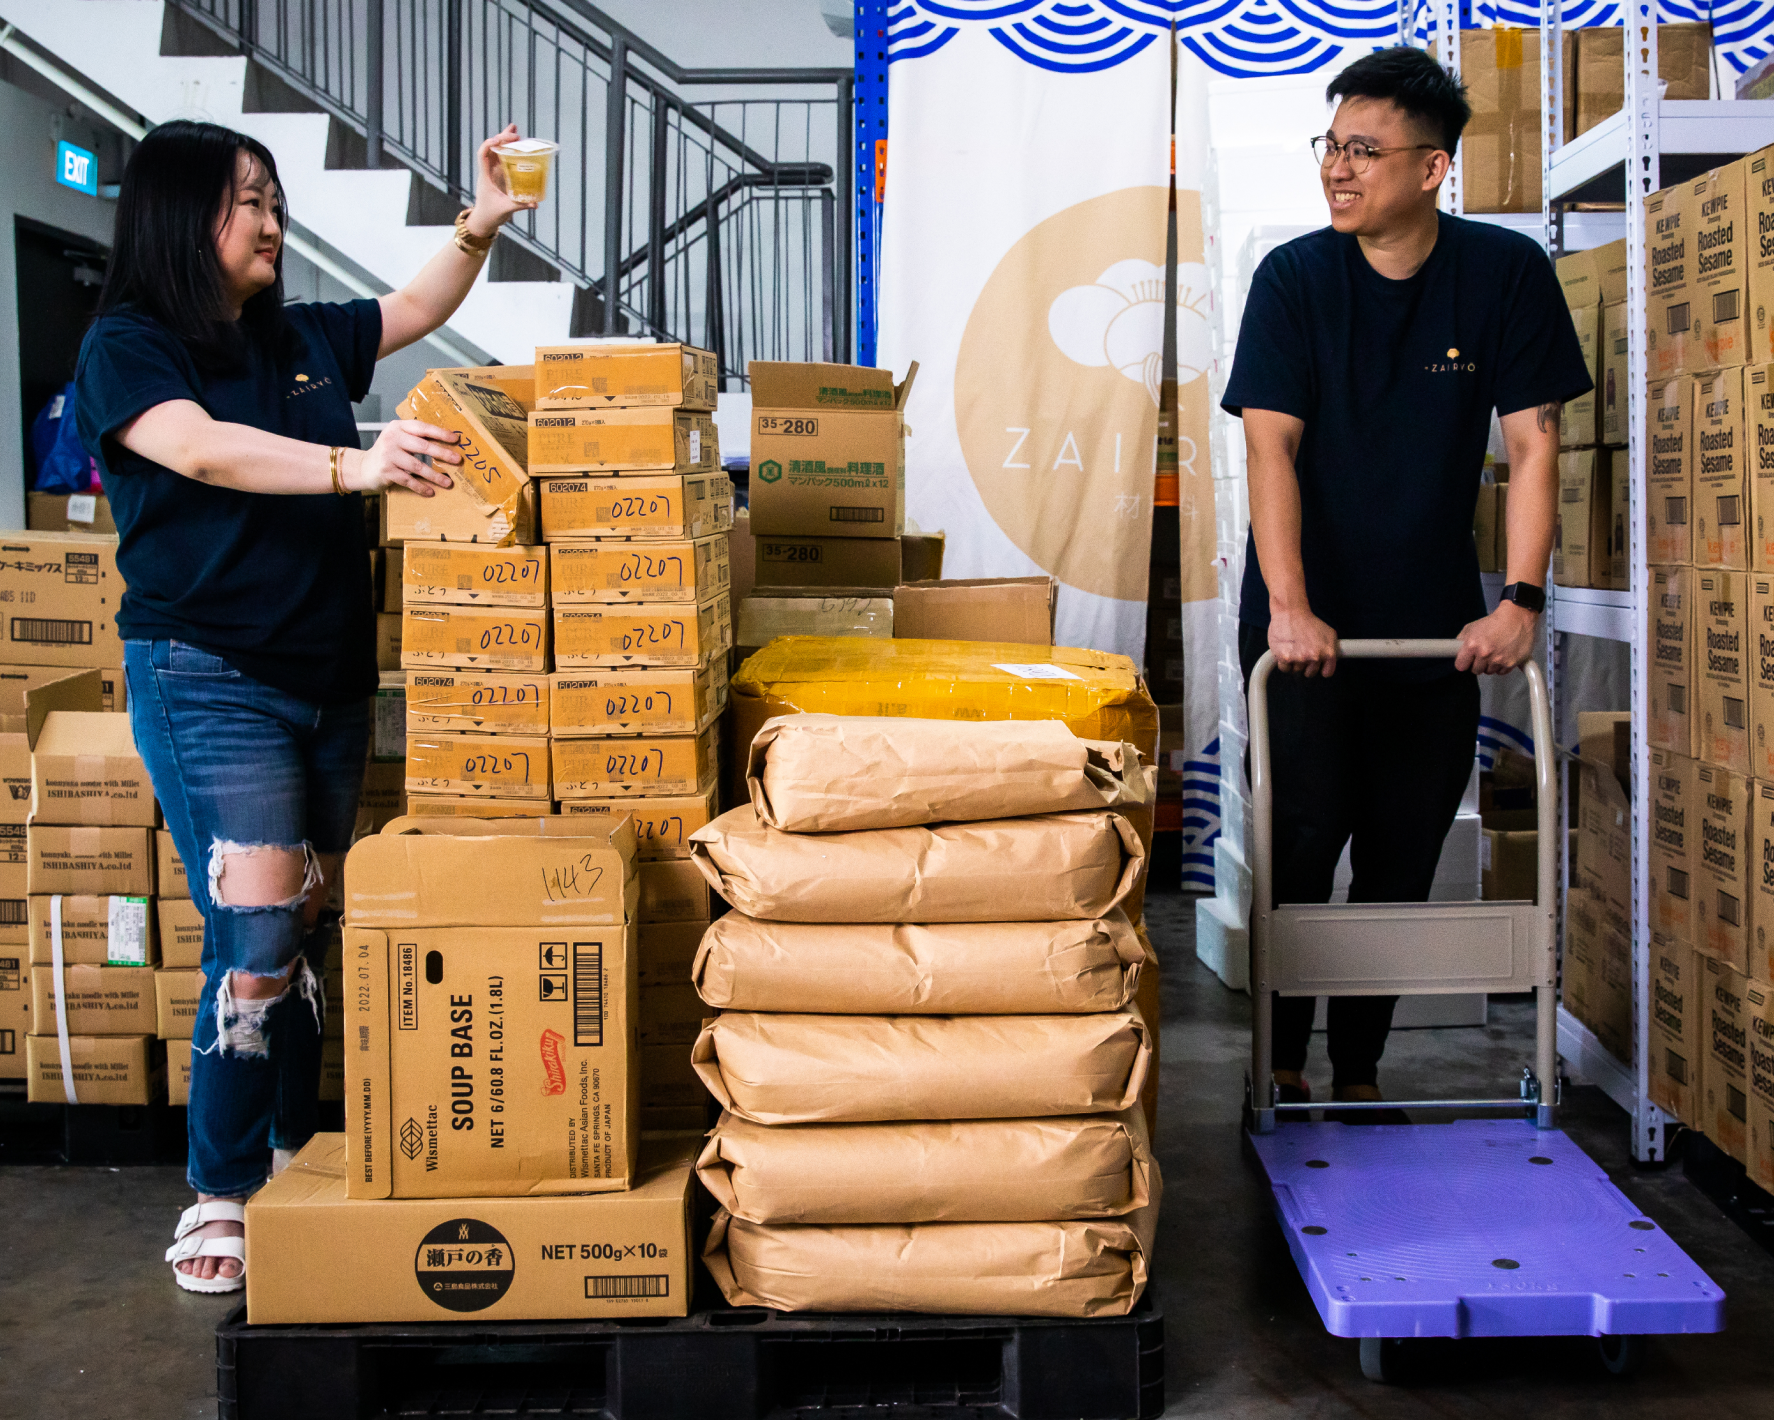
[
  {"x": 662, "y": 823},
  {"x": 671, "y": 634},
  {"x": 638, "y": 700},
  {"x": 493, "y": 766},
  {"x": 476, "y": 702},
  {"x": 641, "y": 765}
]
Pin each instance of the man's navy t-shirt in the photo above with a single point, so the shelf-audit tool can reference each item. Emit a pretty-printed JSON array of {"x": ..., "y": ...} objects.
[
  {"x": 278, "y": 586},
  {"x": 1396, "y": 381}
]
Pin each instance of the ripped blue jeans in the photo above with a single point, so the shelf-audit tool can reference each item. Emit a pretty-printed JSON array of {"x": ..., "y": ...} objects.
[{"x": 238, "y": 764}]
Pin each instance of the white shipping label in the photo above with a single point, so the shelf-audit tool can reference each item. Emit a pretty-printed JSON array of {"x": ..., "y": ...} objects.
[
  {"x": 82, "y": 507},
  {"x": 390, "y": 734},
  {"x": 1040, "y": 671},
  {"x": 126, "y": 943},
  {"x": 695, "y": 446}
]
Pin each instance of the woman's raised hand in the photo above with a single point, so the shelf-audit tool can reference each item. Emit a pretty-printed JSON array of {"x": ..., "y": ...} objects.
[{"x": 407, "y": 454}]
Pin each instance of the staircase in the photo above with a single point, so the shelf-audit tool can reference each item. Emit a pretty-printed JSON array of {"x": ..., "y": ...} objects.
[{"x": 719, "y": 222}]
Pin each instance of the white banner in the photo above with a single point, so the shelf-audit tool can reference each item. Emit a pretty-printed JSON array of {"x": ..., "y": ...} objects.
[{"x": 1022, "y": 266}]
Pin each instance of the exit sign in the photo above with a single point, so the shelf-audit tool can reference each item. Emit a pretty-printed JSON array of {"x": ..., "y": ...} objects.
[{"x": 77, "y": 168}]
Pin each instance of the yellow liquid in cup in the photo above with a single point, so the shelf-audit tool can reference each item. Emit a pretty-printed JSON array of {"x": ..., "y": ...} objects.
[{"x": 526, "y": 174}]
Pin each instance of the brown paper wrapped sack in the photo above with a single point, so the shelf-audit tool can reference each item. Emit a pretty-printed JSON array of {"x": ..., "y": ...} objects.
[
  {"x": 950, "y": 969},
  {"x": 823, "y": 773},
  {"x": 957, "y": 1171},
  {"x": 1070, "y": 1269},
  {"x": 1045, "y": 869},
  {"x": 792, "y": 1069}
]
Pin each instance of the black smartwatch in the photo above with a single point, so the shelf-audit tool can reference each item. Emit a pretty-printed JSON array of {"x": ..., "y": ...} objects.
[{"x": 1525, "y": 595}]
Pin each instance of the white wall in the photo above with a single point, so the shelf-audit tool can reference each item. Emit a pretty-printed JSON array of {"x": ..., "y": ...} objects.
[
  {"x": 28, "y": 189},
  {"x": 705, "y": 34}
]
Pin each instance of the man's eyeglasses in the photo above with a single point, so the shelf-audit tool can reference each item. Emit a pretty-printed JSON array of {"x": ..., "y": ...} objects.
[{"x": 1360, "y": 155}]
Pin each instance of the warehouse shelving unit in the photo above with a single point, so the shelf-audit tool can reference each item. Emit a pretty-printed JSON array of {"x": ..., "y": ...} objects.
[{"x": 1648, "y": 144}]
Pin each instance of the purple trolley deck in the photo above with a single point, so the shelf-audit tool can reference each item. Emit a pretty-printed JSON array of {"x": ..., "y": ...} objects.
[{"x": 1474, "y": 1228}]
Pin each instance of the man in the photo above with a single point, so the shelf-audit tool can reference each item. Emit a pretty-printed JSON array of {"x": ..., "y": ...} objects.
[{"x": 1370, "y": 358}]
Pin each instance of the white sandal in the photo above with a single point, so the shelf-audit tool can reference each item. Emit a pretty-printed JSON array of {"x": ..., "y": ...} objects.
[{"x": 185, "y": 1246}]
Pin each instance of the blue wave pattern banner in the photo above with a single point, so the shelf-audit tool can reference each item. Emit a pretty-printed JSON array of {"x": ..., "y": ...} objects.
[{"x": 1256, "y": 38}]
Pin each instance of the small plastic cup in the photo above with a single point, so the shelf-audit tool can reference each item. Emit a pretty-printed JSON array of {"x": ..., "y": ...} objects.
[{"x": 527, "y": 162}]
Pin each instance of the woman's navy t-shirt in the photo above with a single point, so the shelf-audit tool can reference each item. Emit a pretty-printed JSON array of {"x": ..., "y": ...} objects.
[
  {"x": 1396, "y": 381},
  {"x": 278, "y": 586}
]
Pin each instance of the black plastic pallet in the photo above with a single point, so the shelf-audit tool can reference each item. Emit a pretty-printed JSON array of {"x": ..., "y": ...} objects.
[
  {"x": 720, "y": 1364},
  {"x": 1722, "y": 1179},
  {"x": 91, "y": 1134}
]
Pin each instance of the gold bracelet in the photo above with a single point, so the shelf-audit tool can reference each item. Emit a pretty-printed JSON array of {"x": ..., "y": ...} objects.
[
  {"x": 466, "y": 241},
  {"x": 333, "y": 458}
]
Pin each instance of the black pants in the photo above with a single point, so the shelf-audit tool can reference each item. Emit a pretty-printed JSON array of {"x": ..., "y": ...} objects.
[{"x": 1380, "y": 765}]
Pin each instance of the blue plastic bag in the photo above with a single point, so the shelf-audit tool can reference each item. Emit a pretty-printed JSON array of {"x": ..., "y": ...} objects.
[{"x": 63, "y": 465}]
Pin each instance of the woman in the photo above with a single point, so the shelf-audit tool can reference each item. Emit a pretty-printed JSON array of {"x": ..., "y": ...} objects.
[{"x": 221, "y": 419}]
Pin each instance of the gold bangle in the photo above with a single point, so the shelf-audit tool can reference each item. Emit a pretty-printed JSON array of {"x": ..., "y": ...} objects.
[
  {"x": 466, "y": 241},
  {"x": 333, "y": 459}
]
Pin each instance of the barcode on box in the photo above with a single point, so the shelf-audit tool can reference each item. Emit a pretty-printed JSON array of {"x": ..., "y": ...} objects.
[
  {"x": 1678, "y": 700},
  {"x": 588, "y": 993},
  {"x": 1678, "y": 319},
  {"x": 610, "y": 1288},
  {"x": 1676, "y": 1068},
  {"x": 1678, "y": 883},
  {"x": 1735, "y": 1102},
  {"x": 46, "y": 631},
  {"x": 1730, "y": 910},
  {"x": 12, "y": 912},
  {"x": 1675, "y": 512},
  {"x": 859, "y": 515},
  {"x": 1733, "y": 713},
  {"x": 1728, "y": 514},
  {"x": 1724, "y": 305}
]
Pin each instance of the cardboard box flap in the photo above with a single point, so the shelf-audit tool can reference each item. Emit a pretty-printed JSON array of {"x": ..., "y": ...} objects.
[
  {"x": 977, "y": 609},
  {"x": 787, "y": 384},
  {"x": 81, "y": 691},
  {"x": 902, "y": 392}
]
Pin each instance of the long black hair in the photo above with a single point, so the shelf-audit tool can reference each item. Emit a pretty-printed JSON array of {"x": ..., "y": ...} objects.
[{"x": 179, "y": 183}]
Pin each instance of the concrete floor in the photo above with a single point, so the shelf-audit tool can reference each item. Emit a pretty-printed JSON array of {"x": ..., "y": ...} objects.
[{"x": 91, "y": 1327}]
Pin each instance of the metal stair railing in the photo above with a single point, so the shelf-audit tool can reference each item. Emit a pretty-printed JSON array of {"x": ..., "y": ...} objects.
[{"x": 722, "y": 222}]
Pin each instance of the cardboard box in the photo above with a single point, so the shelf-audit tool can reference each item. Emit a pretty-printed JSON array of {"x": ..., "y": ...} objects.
[
  {"x": 96, "y": 931},
  {"x": 646, "y": 439},
  {"x": 1759, "y": 653},
  {"x": 1722, "y": 645},
  {"x": 383, "y": 797},
  {"x": 1597, "y": 975},
  {"x": 178, "y": 1071},
  {"x": 1595, "y": 276},
  {"x": 644, "y": 765},
  {"x": 462, "y": 806},
  {"x": 1016, "y": 609},
  {"x": 662, "y": 823},
  {"x": 1724, "y": 1113},
  {"x": 1760, "y": 962},
  {"x": 388, "y": 639},
  {"x": 102, "y": 862},
  {"x": 1758, "y": 455},
  {"x": 1670, "y": 287},
  {"x": 1669, "y": 473},
  {"x": 637, "y": 700},
  {"x": 69, "y": 512},
  {"x": 491, "y": 1062},
  {"x": 1670, "y": 635},
  {"x": 116, "y": 1069},
  {"x": 828, "y": 450},
  {"x": 1509, "y": 865},
  {"x": 59, "y": 595},
  {"x": 15, "y": 858},
  {"x": 641, "y": 634},
  {"x": 1722, "y": 866},
  {"x": 1500, "y": 148},
  {"x": 85, "y": 770},
  {"x": 504, "y": 638},
  {"x": 493, "y": 429},
  {"x": 18, "y": 681},
  {"x": 1619, "y": 517},
  {"x": 641, "y": 570},
  {"x": 475, "y": 575},
  {"x": 1674, "y": 826},
  {"x": 1579, "y": 420},
  {"x": 1721, "y": 487},
  {"x": 15, "y": 1013},
  {"x": 466, "y": 872},
  {"x": 1676, "y": 1013},
  {"x": 812, "y": 611},
  {"x": 169, "y": 870},
  {"x": 388, "y": 717},
  {"x": 674, "y": 890},
  {"x": 670, "y": 1081},
  {"x": 1716, "y": 202},
  {"x": 455, "y": 514},
  {"x": 15, "y": 776},
  {"x": 495, "y": 766},
  {"x": 477, "y": 702},
  {"x": 102, "y": 1000},
  {"x": 177, "y": 994},
  {"x": 1615, "y": 419},
  {"x": 332, "y": 1070},
  {"x": 1759, "y": 1046},
  {"x": 1604, "y": 839},
  {"x": 1759, "y": 276},
  {"x": 671, "y": 506},
  {"x": 670, "y": 1015},
  {"x": 1583, "y": 534},
  {"x": 1484, "y": 528},
  {"x": 393, "y": 580},
  {"x": 668, "y": 952},
  {"x": 181, "y": 932},
  {"x": 615, "y": 1255},
  {"x": 600, "y": 374},
  {"x": 830, "y": 562},
  {"x": 1684, "y": 64}
]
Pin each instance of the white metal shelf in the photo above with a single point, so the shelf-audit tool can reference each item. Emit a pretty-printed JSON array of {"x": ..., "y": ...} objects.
[
  {"x": 1697, "y": 129},
  {"x": 1589, "y": 612},
  {"x": 1590, "y": 1062}
]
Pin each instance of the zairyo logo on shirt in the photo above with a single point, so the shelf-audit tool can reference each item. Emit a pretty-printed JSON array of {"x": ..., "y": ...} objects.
[
  {"x": 1451, "y": 364},
  {"x": 307, "y": 384}
]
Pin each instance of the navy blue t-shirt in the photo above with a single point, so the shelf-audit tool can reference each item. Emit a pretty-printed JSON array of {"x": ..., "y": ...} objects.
[
  {"x": 1396, "y": 381},
  {"x": 278, "y": 586}
]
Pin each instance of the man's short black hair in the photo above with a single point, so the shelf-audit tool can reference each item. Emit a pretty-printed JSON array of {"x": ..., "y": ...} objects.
[{"x": 1413, "y": 81}]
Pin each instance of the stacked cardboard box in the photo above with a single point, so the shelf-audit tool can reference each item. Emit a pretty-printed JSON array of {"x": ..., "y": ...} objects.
[
  {"x": 92, "y": 924},
  {"x": 69, "y": 585},
  {"x": 492, "y": 1161},
  {"x": 913, "y": 1084},
  {"x": 636, "y": 513},
  {"x": 1589, "y": 545}
]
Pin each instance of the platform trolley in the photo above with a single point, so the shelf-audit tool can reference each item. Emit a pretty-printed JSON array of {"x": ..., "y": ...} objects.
[{"x": 1474, "y": 1228}]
